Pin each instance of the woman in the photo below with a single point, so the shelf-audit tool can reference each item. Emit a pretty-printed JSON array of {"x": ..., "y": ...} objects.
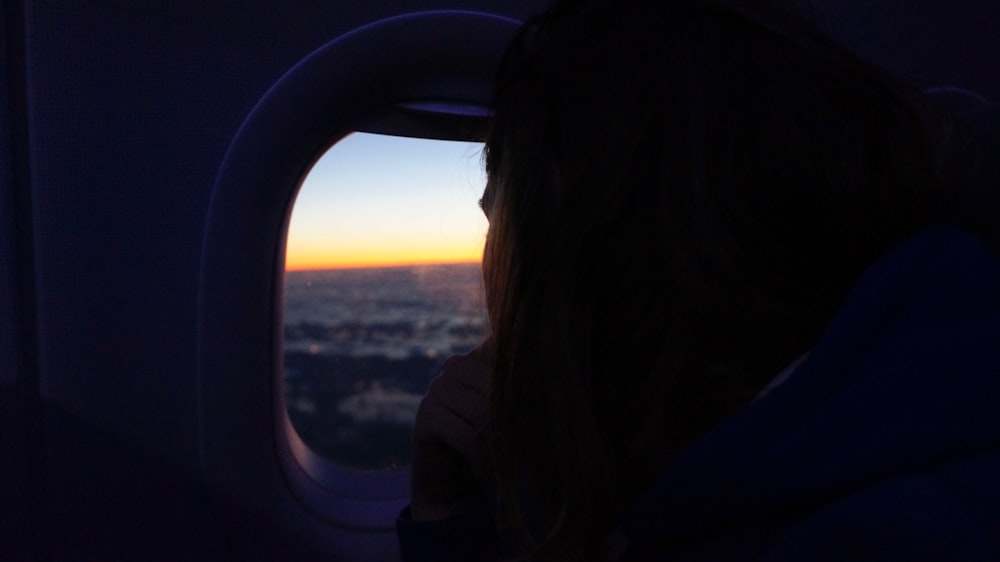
[{"x": 719, "y": 319}]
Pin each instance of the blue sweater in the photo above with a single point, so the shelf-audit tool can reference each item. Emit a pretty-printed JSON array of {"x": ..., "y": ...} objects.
[{"x": 883, "y": 445}]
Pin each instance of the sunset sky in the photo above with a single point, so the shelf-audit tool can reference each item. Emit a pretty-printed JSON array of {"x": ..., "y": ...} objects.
[{"x": 376, "y": 200}]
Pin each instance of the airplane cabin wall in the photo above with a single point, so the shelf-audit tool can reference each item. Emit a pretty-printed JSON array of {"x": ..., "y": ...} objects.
[
  {"x": 19, "y": 452},
  {"x": 931, "y": 43},
  {"x": 130, "y": 108}
]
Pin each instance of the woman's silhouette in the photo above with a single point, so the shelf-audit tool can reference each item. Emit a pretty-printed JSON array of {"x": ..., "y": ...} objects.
[{"x": 724, "y": 323}]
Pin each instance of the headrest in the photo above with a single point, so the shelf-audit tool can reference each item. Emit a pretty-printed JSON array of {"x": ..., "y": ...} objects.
[{"x": 972, "y": 167}]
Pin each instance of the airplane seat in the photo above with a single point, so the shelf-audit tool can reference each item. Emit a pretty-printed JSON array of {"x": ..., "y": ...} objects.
[
  {"x": 970, "y": 164},
  {"x": 955, "y": 100}
]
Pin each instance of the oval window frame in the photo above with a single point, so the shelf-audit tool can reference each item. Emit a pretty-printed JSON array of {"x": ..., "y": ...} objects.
[{"x": 416, "y": 65}]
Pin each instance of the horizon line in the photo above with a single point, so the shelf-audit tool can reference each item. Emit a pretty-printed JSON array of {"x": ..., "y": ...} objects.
[{"x": 378, "y": 265}]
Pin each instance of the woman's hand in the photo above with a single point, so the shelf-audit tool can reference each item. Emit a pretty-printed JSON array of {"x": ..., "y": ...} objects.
[{"x": 449, "y": 450}]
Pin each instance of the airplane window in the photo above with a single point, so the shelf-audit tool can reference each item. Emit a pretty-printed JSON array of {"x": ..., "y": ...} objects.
[{"x": 382, "y": 284}]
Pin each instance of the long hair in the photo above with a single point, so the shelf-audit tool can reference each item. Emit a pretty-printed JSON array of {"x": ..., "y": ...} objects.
[{"x": 680, "y": 195}]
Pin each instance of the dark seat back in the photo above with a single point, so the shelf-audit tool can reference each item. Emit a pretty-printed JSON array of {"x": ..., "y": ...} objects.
[{"x": 972, "y": 167}]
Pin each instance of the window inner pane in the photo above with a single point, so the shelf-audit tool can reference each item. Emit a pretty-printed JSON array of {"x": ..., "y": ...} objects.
[{"x": 382, "y": 284}]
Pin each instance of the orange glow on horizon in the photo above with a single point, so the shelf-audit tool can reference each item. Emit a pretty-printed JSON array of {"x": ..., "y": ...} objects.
[
  {"x": 306, "y": 259},
  {"x": 310, "y": 266}
]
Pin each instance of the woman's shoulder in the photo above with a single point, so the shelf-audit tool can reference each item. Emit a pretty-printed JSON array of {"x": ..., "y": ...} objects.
[
  {"x": 886, "y": 437},
  {"x": 947, "y": 511}
]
